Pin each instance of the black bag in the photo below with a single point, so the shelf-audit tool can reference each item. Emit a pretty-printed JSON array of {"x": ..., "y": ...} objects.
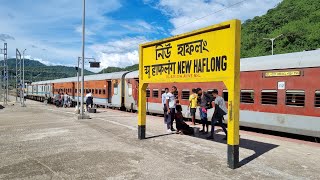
[{"x": 209, "y": 100}]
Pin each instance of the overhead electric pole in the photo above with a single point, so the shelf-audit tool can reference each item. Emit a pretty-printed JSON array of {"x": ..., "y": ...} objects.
[
  {"x": 272, "y": 41},
  {"x": 23, "y": 83}
]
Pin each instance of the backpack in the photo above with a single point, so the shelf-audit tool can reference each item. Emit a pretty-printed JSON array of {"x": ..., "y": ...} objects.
[{"x": 209, "y": 100}]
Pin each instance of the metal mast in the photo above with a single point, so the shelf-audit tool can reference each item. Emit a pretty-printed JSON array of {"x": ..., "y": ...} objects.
[
  {"x": 18, "y": 75},
  {"x": 4, "y": 83}
]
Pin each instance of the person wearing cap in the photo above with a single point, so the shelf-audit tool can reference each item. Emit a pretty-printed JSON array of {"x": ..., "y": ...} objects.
[{"x": 219, "y": 111}]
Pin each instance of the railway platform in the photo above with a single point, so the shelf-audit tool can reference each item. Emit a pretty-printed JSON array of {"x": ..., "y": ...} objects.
[{"x": 44, "y": 142}]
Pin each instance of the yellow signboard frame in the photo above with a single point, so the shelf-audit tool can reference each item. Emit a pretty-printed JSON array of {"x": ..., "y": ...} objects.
[{"x": 176, "y": 59}]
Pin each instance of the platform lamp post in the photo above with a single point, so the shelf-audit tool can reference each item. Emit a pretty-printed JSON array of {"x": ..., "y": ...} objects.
[
  {"x": 82, "y": 115},
  {"x": 23, "y": 85},
  {"x": 272, "y": 41},
  {"x": 92, "y": 64}
]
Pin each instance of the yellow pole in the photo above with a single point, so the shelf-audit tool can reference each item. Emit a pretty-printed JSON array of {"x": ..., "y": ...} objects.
[
  {"x": 142, "y": 111},
  {"x": 233, "y": 86}
]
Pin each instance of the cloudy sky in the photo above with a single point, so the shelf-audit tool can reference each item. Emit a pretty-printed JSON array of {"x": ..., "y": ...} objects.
[{"x": 50, "y": 30}]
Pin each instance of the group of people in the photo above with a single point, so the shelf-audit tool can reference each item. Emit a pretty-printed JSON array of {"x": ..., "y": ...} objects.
[
  {"x": 62, "y": 100},
  {"x": 198, "y": 99},
  {"x": 89, "y": 100}
]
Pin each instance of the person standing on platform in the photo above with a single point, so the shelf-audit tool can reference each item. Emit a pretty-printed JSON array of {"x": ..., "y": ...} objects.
[
  {"x": 89, "y": 100},
  {"x": 65, "y": 100},
  {"x": 219, "y": 111},
  {"x": 193, "y": 99},
  {"x": 163, "y": 97},
  {"x": 171, "y": 106},
  {"x": 61, "y": 99},
  {"x": 205, "y": 101}
]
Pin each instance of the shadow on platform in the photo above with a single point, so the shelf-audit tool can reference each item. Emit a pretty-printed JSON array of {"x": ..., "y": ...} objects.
[
  {"x": 1, "y": 107},
  {"x": 150, "y": 137},
  {"x": 259, "y": 148}
]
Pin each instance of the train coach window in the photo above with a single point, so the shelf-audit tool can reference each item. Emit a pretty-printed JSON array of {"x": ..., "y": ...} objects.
[
  {"x": 129, "y": 89},
  {"x": 148, "y": 93},
  {"x": 155, "y": 93},
  {"x": 99, "y": 91},
  {"x": 96, "y": 91},
  {"x": 185, "y": 94},
  {"x": 269, "y": 97},
  {"x": 317, "y": 99},
  {"x": 295, "y": 98},
  {"x": 103, "y": 91},
  {"x": 247, "y": 96},
  {"x": 162, "y": 91},
  {"x": 225, "y": 95},
  {"x": 115, "y": 88}
]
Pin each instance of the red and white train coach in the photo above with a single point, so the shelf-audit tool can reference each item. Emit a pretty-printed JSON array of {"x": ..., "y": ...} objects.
[{"x": 279, "y": 92}]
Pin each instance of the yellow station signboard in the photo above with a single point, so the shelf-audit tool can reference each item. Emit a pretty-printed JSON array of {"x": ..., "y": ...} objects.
[
  {"x": 207, "y": 55},
  {"x": 197, "y": 57}
]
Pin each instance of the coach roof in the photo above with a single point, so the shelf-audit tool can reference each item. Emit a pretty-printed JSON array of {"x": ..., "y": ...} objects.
[
  {"x": 303, "y": 59},
  {"x": 133, "y": 74},
  {"x": 95, "y": 77}
]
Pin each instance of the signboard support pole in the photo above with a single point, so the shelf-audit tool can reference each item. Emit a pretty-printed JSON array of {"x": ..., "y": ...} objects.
[
  {"x": 142, "y": 111},
  {"x": 233, "y": 123},
  {"x": 233, "y": 86}
]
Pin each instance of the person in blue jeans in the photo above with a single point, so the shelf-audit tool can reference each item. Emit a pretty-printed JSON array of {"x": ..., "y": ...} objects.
[{"x": 204, "y": 100}]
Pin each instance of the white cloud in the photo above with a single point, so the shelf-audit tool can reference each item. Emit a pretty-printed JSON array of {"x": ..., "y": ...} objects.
[
  {"x": 185, "y": 15},
  {"x": 48, "y": 29},
  {"x": 119, "y": 53}
]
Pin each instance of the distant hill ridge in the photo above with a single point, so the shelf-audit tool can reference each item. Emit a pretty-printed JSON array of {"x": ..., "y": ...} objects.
[{"x": 37, "y": 71}]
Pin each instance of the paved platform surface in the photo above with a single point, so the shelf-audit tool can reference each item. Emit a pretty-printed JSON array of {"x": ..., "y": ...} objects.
[{"x": 45, "y": 142}]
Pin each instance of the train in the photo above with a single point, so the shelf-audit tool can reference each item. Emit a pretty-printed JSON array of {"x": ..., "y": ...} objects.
[{"x": 278, "y": 92}]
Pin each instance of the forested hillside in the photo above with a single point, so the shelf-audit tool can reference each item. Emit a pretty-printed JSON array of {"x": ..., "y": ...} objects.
[
  {"x": 297, "y": 20},
  {"x": 117, "y": 69}
]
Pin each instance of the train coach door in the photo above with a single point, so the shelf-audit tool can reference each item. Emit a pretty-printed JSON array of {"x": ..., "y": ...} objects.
[
  {"x": 109, "y": 91},
  {"x": 136, "y": 92}
]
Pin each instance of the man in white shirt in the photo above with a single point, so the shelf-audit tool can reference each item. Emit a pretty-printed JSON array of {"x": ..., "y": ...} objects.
[
  {"x": 164, "y": 96},
  {"x": 219, "y": 111},
  {"x": 171, "y": 106}
]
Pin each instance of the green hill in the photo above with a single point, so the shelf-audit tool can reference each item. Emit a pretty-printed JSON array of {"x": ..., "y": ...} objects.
[
  {"x": 117, "y": 69},
  {"x": 297, "y": 20},
  {"x": 36, "y": 71}
]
